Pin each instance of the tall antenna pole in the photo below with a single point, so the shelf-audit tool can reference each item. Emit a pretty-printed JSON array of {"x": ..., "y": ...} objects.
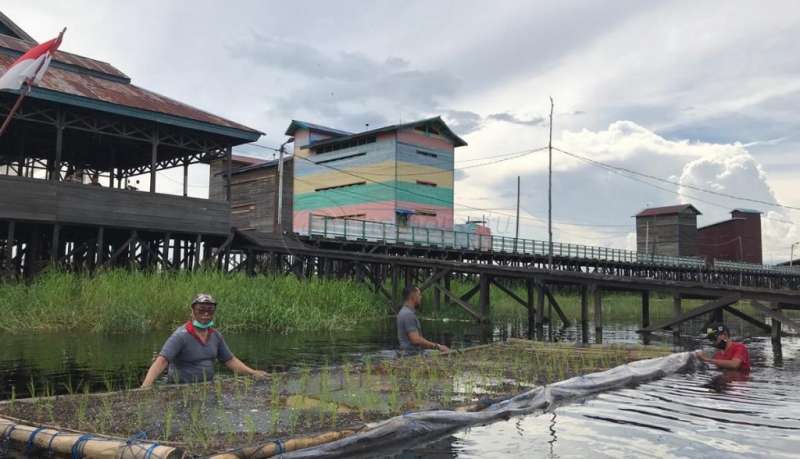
[
  {"x": 280, "y": 187},
  {"x": 516, "y": 233},
  {"x": 550, "y": 192}
]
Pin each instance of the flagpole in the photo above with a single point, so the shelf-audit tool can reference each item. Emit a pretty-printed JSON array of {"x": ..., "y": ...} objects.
[{"x": 26, "y": 89}]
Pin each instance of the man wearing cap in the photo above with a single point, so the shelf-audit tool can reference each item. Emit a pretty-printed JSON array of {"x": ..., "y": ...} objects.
[
  {"x": 731, "y": 355},
  {"x": 191, "y": 350}
]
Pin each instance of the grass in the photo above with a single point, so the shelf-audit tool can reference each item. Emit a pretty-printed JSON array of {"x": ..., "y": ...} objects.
[
  {"x": 242, "y": 412},
  {"x": 120, "y": 301}
]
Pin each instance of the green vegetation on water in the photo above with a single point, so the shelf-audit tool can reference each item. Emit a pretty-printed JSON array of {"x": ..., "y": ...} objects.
[{"x": 121, "y": 301}]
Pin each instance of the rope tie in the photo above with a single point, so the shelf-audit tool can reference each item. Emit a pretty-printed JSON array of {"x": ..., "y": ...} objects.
[
  {"x": 149, "y": 453},
  {"x": 50, "y": 451},
  {"x": 31, "y": 437},
  {"x": 6, "y": 438},
  {"x": 77, "y": 447},
  {"x": 279, "y": 444}
]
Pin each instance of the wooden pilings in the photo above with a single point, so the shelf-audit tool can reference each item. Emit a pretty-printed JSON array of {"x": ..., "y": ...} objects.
[
  {"x": 484, "y": 298},
  {"x": 598, "y": 315},
  {"x": 677, "y": 310},
  {"x": 585, "y": 314}
]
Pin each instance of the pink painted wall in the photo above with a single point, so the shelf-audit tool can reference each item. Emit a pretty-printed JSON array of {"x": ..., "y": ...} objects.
[
  {"x": 417, "y": 138},
  {"x": 380, "y": 212}
]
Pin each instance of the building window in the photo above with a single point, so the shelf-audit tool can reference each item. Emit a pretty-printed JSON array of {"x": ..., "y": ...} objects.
[
  {"x": 426, "y": 213},
  {"x": 428, "y": 154},
  {"x": 428, "y": 129},
  {"x": 347, "y": 185},
  {"x": 344, "y": 144},
  {"x": 341, "y": 158},
  {"x": 424, "y": 183},
  {"x": 348, "y": 217},
  {"x": 402, "y": 219}
]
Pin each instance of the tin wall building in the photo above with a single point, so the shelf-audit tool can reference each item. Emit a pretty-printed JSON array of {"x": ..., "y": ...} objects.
[
  {"x": 399, "y": 174},
  {"x": 737, "y": 239}
]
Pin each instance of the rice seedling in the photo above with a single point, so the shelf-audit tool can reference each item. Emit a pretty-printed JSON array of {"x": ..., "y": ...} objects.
[
  {"x": 250, "y": 428},
  {"x": 169, "y": 415}
]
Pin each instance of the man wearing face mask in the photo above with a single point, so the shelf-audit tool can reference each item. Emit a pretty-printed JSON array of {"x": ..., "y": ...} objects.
[
  {"x": 191, "y": 350},
  {"x": 731, "y": 355}
]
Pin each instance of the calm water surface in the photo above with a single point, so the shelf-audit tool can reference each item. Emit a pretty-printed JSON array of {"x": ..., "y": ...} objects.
[{"x": 679, "y": 416}]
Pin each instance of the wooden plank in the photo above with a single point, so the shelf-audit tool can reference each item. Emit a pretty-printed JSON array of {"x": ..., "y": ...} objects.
[
  {"x": 557, "y": 307},
  {"x": 464, "y": 305},
  {"x": 509, "y": 292},
  {"x": 752, "y": 320},
  {"x": 776, "y": 315},
  {"x": 696, "y": 312},
  {"x": 434, "y": 278}
]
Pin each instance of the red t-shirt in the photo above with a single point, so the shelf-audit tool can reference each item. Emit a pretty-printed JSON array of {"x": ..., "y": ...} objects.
[{"x": 736, "y": 351}]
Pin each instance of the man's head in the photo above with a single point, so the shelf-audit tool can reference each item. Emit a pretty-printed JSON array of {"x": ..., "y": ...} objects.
[
  {"x": 412, "y": 296},
  {"x": 719, "y": 335},
  {"x": 204, "y": 306}
]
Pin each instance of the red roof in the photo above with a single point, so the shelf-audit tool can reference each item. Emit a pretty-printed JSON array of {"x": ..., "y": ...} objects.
[
  {"x": 84, "y": 77},
  {"x": 248, "y": 160},
  {"x": 668, "y": 210}
]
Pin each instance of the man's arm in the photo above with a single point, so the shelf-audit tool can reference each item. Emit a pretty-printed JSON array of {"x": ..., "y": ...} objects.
[
  {"x": 417, "y": 340},
  {"x": 732, "y": 364},
  {"x": 237, "y": 366},
  {"x": 158, "y": 366}
]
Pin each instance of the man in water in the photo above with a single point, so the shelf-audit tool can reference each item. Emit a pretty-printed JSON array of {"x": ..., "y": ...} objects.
[
  {"x": 731, "y": 355},
  {"x": 409, "y": 332},
  {"x": 191, "y": 350}
]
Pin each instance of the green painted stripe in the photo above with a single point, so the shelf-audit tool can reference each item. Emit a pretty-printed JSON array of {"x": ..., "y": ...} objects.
[{"x": 374, "y": 192}]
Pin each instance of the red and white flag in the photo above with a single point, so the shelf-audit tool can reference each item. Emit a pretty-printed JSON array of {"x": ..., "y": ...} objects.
[{"x": 30, "y": 67}]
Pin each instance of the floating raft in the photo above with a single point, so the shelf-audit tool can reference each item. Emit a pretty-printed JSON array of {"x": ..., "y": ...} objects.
[{"x": 331, "y": 411}]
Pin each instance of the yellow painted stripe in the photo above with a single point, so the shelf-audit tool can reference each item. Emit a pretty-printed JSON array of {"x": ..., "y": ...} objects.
[{"x": 381, "y": 172}]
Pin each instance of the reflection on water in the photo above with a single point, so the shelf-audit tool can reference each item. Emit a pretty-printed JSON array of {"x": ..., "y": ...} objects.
[
  {"x": 678, "y": 416},
  {"x": 692, "y": 415}
]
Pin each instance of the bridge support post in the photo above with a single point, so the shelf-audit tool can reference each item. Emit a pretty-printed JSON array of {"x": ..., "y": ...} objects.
[
  {"x": 584, "y": 314},
  {"x": 446, "y": 281},
  {"x": 540, "y": 312},
  {"x": 598, "y": 316},
  {"x": 776, "y": 326},
  {"x": 485, "y": 302},
  {"x": 395, "y": 287},
  {"x": 529, "y": 287},
  {"x": 646, "y": 315},
  {"x": 677, "y": 310},
  {"x": 437, "y": 298}
]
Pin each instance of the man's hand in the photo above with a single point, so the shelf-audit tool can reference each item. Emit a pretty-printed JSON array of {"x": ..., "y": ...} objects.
[
  {"x": 702, "y": 357},
  {"x": 442, "y": 348},
  {"x": 260, "y": 375}
]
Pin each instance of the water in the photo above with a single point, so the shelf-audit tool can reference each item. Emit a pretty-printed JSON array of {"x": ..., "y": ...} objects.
[{"x": 679, "y": 416}]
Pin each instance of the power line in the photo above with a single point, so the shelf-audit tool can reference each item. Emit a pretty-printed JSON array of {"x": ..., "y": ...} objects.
[{"x": 671, "y": 182}]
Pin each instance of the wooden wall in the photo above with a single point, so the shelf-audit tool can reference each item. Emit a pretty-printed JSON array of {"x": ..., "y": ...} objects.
[
  {"x": 670, "y": 235},
  {"x": 35, "y": 200},
  {"x": 253, "y": 195}
]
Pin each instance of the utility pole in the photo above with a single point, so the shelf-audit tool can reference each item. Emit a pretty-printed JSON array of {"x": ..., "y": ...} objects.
[
  {"x": 516, "y": 233},
  {"x": 280, "y": 185},
  {"x": 550, "y": 192}
]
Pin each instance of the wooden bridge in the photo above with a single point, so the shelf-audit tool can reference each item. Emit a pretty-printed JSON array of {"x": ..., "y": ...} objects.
[{"x": 389, "y": 267}]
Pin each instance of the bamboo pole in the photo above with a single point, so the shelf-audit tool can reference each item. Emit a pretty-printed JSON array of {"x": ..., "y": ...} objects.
[
  {"x": 86, "y": 445},
  {"x": 274, "y": 448}
]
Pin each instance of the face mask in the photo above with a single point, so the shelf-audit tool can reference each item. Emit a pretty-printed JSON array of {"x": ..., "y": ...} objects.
[
  {"x": 721, "y": 344},
  {"x": 202, "y": 326}
]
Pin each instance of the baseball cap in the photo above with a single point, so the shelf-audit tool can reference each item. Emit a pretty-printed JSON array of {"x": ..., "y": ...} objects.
[
  {"x": 203, "y": 298},
  {"x": 715, "y": 330}
]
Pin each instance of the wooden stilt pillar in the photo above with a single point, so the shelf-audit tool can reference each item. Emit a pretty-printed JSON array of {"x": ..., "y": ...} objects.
[
  {"x": 395, "y": 286},
  {"x": 437, "y": 298},
  {"x": 646, "y": 315},
  {"x": 446, "y": 281},
  {"x": 485, "y": 301},
  {"x": 776, "y": 326},
  {"x": 598, "y": 316},
  {"x": 55, "y": 243},
  {"x": 529, "y": 287},
  {"x": 540, "y": 313},
  {"x": 100, "y": 248},
  {"x": 10, "y": 247},
  {"x": 197, "y": 245},
  {"x": 584, "y": 314},
  {"x": 677, "y": 310}
]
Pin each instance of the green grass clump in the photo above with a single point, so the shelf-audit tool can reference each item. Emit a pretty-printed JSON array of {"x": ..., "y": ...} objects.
[{"x": 120, "y": 301}]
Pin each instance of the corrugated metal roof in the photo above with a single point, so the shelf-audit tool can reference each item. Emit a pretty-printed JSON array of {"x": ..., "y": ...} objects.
[
  {"x": 87, "y": 78},
  {"x": 457, "y": 141},
  {"x": 15, "y": 29},
  {"x": 297, "y": 124},
  {"x": 667, "y": 210}
]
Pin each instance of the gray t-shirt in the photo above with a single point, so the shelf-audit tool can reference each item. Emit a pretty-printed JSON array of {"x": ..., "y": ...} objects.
[
  {"x": 407, "y": 322},
  {"x": 190, "y": 360}
]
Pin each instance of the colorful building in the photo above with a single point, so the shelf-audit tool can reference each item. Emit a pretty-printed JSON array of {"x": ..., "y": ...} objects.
[{"x": 400, "y": 174}]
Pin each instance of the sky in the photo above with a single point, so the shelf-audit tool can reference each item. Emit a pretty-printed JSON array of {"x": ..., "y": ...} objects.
[{"x": 696, "y": 95}]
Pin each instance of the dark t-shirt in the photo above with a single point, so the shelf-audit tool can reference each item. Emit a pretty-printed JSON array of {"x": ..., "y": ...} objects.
[
  {"x": 191, "y": 360},
  {"x": 736, "y": 351},
  {"x": 407, "y": 322}
]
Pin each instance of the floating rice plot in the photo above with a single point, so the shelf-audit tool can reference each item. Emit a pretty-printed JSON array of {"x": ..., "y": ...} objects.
[{"x": 295, "y": 409}]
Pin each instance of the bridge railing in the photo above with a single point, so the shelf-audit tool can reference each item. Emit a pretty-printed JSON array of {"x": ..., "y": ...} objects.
[{"x": 352, "y": 229}]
